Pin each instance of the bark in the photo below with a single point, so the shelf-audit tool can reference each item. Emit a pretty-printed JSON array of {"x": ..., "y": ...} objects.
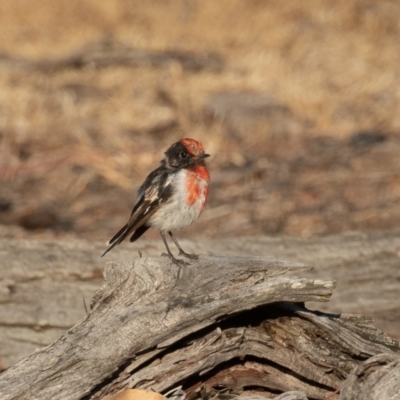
[
  {"x": 293, "y": 395},
  {"x": 376, "y": 378},
  {"x": 234, "y": 322},
  {"x": 43, "y": 284}
]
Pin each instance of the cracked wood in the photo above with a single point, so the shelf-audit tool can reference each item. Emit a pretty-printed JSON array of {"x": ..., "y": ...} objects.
[{"x": 143, "y": 307}]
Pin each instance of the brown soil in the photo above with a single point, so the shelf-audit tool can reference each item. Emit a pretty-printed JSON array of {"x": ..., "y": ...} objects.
[{"x": 76, "y": 140}]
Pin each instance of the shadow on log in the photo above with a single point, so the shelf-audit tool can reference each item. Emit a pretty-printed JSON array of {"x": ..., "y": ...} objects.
[{"x": 222, "y": 323}]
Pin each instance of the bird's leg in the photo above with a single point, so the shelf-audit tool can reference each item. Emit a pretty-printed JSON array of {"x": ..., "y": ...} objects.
[
  {"x": 170, "y": 255},
  {"x": 181, "y": 252}
]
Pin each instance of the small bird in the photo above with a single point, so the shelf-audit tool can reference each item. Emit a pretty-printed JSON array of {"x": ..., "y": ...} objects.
[{"x": 171, "y": 197}]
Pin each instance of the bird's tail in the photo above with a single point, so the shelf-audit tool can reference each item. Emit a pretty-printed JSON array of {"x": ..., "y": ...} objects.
[
  {"x": 117, "y": 238},
  {"x": 121, "y": 235},
  {"x": 139, "y": 232}
]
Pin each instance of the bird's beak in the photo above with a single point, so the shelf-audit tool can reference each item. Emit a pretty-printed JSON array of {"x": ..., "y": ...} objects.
[{"x": 203, "y": 155}]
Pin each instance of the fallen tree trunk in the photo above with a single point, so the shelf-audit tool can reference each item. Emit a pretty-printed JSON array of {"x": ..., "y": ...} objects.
[
  {"x": 43, "y": 282},
  {"x": 376, "y": 378},
  {"x": 219, "y": 322}
]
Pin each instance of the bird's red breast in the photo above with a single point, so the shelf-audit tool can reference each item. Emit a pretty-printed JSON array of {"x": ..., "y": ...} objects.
[{"x": 197, "y": 185}]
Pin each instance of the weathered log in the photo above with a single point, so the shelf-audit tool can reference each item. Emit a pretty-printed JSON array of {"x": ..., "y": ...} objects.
[
  {"x": 376, "y": 378},
  {"x": 266, "y": 349},
  {"x": 219, "y": 322},
  {"x": 43, "y": 283},
  {"x": 292, "y": 395},
  {"x": 145, "y": 307}
]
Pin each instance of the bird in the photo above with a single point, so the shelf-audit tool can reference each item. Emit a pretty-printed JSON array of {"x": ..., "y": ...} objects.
[{"x": 170, "y": 198}]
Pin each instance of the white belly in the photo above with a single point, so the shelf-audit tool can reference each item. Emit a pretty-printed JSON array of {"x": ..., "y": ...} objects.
[{"x": 176, "y": 213}]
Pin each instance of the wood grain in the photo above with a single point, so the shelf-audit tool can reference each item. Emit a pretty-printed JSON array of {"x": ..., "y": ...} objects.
[
  {"x": 43, "y": 284},
  {"x": 233, "y": 322},
  {"x": 150, "y": 305}
]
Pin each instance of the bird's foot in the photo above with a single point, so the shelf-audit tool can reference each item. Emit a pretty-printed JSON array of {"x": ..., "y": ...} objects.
[
  {"x": 190, "y": 256},
  {"x": 174, "y": 260}
]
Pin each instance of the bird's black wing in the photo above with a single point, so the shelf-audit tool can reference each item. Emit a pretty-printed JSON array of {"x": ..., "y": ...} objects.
[{"x": 155, "y": 191}]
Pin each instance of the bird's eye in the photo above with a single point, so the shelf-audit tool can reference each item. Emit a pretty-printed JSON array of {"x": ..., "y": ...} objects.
[{"x": 183, "y": 154}]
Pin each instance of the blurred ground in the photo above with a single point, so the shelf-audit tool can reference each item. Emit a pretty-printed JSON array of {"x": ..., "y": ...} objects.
[{"x": 298, "y": 103}]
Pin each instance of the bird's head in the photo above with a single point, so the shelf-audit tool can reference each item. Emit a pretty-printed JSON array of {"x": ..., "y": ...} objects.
[{"x": 185, "y": 154}]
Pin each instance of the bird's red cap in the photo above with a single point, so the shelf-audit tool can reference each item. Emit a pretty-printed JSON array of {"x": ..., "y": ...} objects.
[{"x": 193, "y": 146}]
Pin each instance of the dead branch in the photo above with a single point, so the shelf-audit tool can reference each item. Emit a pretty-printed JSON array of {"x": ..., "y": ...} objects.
[{"x": 219, "y": 322}]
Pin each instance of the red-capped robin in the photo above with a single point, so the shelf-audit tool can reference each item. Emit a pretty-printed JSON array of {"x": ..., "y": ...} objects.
[{"x": 171, "y": 197}]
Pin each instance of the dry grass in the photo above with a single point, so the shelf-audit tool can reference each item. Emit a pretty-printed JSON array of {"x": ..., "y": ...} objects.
[{"x": 79, "y": 141}]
